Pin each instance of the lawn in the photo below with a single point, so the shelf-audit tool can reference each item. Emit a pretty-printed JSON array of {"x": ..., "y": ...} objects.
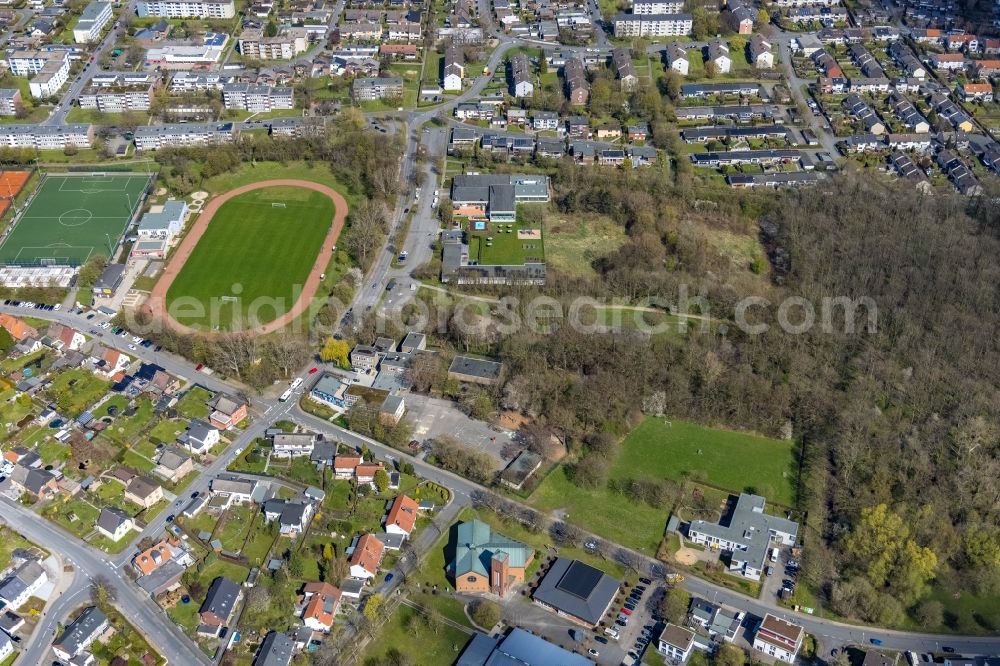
[
  {"x": 235, "y": 526},
  {"x": 137, "y": 462},
  {"x": 9, "y": 542},
  {"x": 726, "y": 459},
  {"x": 499, "y": 244},
  {"x": 442, "y": 647},
  {"x": 572, "y": 245},
  {"x": 76, "y": 390},
  {"x": 258, "y": 171},
  {"x": 167, "y": 430},
  {"x": 125, "y": 429},
  {"x": 731, "y": 460},
  {"x": 260, "y": 274},
  {"x": 86, "y": 515},
  {"x": 192, "y": 404}
]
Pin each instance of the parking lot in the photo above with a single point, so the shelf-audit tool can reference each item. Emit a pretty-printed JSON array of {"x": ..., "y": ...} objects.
[{"x": 784, "y": 572}]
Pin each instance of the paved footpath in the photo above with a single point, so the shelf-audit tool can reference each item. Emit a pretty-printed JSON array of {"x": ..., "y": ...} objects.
[{"x": 156, "y": 304}]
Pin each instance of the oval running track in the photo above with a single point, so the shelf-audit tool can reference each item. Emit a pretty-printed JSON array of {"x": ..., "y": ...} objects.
[{"x": 156, "y": 304}]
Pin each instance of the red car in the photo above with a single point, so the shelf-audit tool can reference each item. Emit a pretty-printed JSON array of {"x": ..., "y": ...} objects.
[
  {"x": 198, "y": 367},
  {"x": 312, "y": 371},
  {"x": 626, "y": 611}
]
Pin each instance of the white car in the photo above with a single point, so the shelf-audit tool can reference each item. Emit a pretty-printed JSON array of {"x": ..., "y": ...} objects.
[
  {"x": 132, "y": 347},
  {"x": 57, "y": 306},
  {"x": 104, "y": 324},
  {"x": 136, "y": 339}
]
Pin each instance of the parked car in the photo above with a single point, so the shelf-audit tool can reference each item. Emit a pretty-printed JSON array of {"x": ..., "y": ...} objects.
[
  {"x": 875, "y": 641},
  {"x": 627, "y": 611},
  {"x": 593, "y": 653},
  {"x": 601, "y": 639}
]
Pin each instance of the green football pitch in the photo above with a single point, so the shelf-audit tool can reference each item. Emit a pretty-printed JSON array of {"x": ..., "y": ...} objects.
[
  {"x": 73, "y": 217},
  {"x": 255, "y": 255}
]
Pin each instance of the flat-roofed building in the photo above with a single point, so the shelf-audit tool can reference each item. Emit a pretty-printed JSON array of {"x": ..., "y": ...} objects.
[{"x": 216, "y": 9}]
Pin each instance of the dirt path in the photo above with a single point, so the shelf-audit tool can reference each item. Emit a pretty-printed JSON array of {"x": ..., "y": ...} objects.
[{"x": 156, "y": 304}]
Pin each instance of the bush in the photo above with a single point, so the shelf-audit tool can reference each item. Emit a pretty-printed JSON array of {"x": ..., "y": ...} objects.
[{"x": 485, "y": 613}]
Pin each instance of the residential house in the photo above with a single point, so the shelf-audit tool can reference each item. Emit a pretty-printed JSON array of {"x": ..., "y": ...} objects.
[
  {"x": 741, "y": 16},
  {"x": 675, "y": 643},
  {"x": 22, "y": 584},
  {"x": 10, "y": 101},
  {"x": 112, "y": 362},
  {"x": 522, "y": 79},
  {"x": 677, "y": 59},
  {"x": 293, "y": 517},
  {"x": 402, "y": 516},
  {"x": 227, "y": 411},
  {"x": 199, "y": 437},
  {"x": 365, "y": 473},
  {"x": 17, "y": 328},
  {"x": 235, "y": 489},
  {"x": 577, "y": 86},
  {"x": 217, "y": 609},
  {"x": 143, "y": 491},
  {"x": 67, "y": 338},
  {"x": 454, "y": 68},
  {"x": 172, "y": 464},
  {"x": 80, "y": 633},
  {"x": 778, "y": 638},
  {"x": 161, "y": 566},
  {"x": 487, "y": 562},
  {"x": 947, "y": 61},
  {"x": 39, "y": 483},
  {"x": 6, "y": 646},
  {"x": 344, "y": 466},
  {"x": 321, "y": 601},
  {"x": 292, "y": 445},
  {"x": 114, "y": 523},
  {"x": 364, "y": 357},
  {"x": 621, "y": 61},
  {"x": 760, "y": 52},
  {"x": 366, "y": 557},
  {"x": 718, "y": 53},
  {"x": 276, "y": 649},
  {"x": 975, "y": 92}
]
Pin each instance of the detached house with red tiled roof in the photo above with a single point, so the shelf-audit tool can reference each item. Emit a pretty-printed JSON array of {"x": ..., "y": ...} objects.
[
  {"x": 67, "y": 338},
  {"x": 366, "y": 557},
  {"x": 227, "y": 411},
  {"x": 321, "y": 601},
  {"x": 114, "y": 363},
  {"x": 402, "y": 516},
  {"x": 344, "y": 466}
]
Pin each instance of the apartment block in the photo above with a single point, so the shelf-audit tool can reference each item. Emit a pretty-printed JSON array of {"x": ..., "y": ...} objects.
[
  {"x": 217, "y": 9},
  {"x": 652, "y": 25},
  {"x": 257, "y": 99},
  {"x": 92, "y": 20},
  {"x": 285, "y": 46}
]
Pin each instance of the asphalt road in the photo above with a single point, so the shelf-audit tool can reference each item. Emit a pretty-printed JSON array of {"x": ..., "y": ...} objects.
[
  {"x": 172, "y": 643},
  {"x": 91, "y": 67},
  {"x": 90, "y": 564}
]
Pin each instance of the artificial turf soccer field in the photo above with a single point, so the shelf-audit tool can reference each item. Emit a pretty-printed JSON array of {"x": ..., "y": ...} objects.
[
  {"x": 252, "y": 250},
  {"x": 73, "y": 217}
]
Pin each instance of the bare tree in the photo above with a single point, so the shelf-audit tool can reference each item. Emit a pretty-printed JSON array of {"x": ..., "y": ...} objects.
[{"x": 288, "y": 352}]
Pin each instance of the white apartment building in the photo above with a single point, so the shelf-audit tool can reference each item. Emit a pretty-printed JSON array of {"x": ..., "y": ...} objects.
[
  {"x": 117, "y": 92},
  {"x": 216, "y": 9},
  {"x": 152, "y": 137},
  {"x": 10, "y": 101},
  {"x": 46, "y": 137},
  {"x": 92, "y": 20},
  {"x": 257, "y": 99},
  {"x": 647, "y": 7},
  {"x": 285, "y": 46},
  {"x": 190, "y": 81},
  {"x": 49, "y": 70},
  {"x": 652, "y": 25}
]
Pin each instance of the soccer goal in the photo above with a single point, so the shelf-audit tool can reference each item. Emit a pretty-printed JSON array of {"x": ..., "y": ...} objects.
[{"x": 277, "y": 204}]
